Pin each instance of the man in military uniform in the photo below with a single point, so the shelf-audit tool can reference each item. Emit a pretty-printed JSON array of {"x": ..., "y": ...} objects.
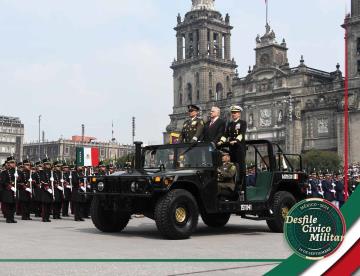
[
  {"x": 46, "y": 178},
  {"x": 25, "y": 191},
  {"x": 193, "y": 128},
  {"x": 58, "y": 190},
  {"x": 67, "y": 189},
  {"x": 226, "y": 176},
  {"x": 36, "y": 189},
  {"x": 101, "y": 169},
  {"x": 77, "y": 196},
  {"x": 8, "y": 178},
  {"x": 234, "y": 136}
]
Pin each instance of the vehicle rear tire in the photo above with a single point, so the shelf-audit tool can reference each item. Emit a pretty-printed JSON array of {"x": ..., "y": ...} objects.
[
  {"x": 283, "y": 201},
  {"x": 215, "y": 220},
  {"x": 176, "y": 214},
  {"x": 107, "y": 220}
]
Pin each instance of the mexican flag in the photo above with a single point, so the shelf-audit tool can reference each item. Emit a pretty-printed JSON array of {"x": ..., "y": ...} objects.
[{"x": 87, "y": 156}]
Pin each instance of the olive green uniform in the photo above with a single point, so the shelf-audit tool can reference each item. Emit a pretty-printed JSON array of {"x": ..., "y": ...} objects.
[
  {"x": 226, "y": 175},
  {"x": 192, "y": 130}
]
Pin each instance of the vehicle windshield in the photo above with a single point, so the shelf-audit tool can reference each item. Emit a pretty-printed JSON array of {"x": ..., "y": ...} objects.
[
  {"x": 195, "y": 157},
  {"x": 155, "y": 158}
]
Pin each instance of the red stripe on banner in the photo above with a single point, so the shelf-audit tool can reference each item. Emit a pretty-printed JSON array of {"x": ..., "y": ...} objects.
[
  {"x": 94, "y": 157},
  {"x": 348, "y": 264}
]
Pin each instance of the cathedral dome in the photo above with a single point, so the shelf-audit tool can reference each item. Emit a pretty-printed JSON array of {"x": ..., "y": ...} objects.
[{"x": 203, "y": 5}]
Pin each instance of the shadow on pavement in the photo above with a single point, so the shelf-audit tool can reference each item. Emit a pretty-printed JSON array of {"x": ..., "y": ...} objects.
[{"x": 149, "y": 231}]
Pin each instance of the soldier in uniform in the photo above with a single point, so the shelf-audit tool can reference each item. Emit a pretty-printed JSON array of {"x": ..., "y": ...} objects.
[
  {"x": 67, "y": 189},
  {"x": 340, "y": 190},
  {"x": 327, "y": 188},
  {"x": 58, "y": 190},
  {"x": 193, "y": 127},
  {"x": 47, "y": 190},
  {"x": 36, "y": 189},
  {"x": 235, "y": 137},
  {"x": 101, "y": 169},
  {"x": 25, "y": 192},
  {"x": 226, "y": 177},
  {"x": 7, "y": 184},
  {"x": 77, "y": 197}
]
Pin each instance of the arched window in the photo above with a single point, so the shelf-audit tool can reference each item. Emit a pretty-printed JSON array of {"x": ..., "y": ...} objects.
[
  {"x": 219, "y": 92},
  {"x": 198, "y": 95},
  {"x": 210, "y": 94},
  {"x": 180, "y": 83},
  {"x": 189, "y": 92},
  {"x": 180, "y": 99},
  {"x": 210, "y": 80},
  {"x": 228, "y": 84}
]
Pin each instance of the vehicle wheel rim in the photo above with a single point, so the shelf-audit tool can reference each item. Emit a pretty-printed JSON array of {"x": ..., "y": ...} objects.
[{"x": 180, "y": 214}]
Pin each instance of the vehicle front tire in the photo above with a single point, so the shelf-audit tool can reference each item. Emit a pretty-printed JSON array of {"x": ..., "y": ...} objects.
[
  {"x": 283, "y": 201},
  {"x": 215, "y": 220},
  {"x": 107, "y": 220},
  {"x": 176, "y": 214}
]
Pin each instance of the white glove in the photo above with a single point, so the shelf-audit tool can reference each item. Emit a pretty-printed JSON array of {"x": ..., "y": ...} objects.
[
  {"x": 60, "y": 188},
  {"x": 68, "y": 186},
  {"x": 89, "y": 186},
  {"x": 49, "y": 191},
  {"x": 83, "y": 188},
  {"x": 13, "y": 189},
  {"x": 28, "y": 190}
]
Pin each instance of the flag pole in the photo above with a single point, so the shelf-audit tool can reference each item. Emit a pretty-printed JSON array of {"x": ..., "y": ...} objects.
[
  {"x": 346, "y": 113},
  {"x": 267, "y": 12}
]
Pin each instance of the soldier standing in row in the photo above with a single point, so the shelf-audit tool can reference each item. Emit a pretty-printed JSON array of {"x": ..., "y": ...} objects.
[
  {"x": 67, "y": 189},
  {"x": 193, "y": 128},
  {"x": 46, "y": 178},
  {"x": 78, "y": 198},
  {"x": 25, "y": 192},
  {"x": 36, "y": 189},
  {"x": 8, "y": 182},
  {"x": 102, "y": 169},
  {"x": 58, "y": 190},
  {"x": 226, "y": 176}
]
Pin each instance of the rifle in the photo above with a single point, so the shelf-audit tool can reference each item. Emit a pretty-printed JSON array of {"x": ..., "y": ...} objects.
[
  {"x": 70, "y": 179},
  {"x": 15, "y": 181},
  {"x": 52, "y": 184},
  {"x": 62, "y": 182},
  {"x": 30, "y": 183}
]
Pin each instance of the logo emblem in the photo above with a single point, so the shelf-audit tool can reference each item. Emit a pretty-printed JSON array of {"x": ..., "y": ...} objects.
[{"x": 314, "y": 228}]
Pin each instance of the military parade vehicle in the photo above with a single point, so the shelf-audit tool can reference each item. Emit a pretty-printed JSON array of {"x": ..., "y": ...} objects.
[{"x": 174, "y": 184}]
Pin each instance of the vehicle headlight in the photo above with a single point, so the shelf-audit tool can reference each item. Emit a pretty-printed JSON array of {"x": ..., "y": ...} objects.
[
  {"x": 134, "y": 186},
  {"x": 100, "y": 186}
]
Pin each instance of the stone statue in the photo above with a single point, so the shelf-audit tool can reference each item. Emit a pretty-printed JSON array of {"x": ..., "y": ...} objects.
[
  {"x": 258, "y": 40},
  {"x": 227, "y": 18},
  {"x": 203, "y": 4},
  {"x": 179, "y": 19},
  {"x": 280, "y": 117},
  {"x": 251, "y": 120}
]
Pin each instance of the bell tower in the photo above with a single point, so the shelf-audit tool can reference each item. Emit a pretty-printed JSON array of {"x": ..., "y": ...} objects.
[
  {"x": 352, "y": 23},
  {"x": 204, "y": 68}
]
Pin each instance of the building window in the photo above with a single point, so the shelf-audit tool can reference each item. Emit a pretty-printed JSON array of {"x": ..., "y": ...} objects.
[
  {"x": 198, "y": 95},
  {"x": 358, "y": 66},
  {"x": 358, "y": 46},
  {"x": 189, "y": 92},
  {"x": 180, "y": 99},
  {"x": 67, "y": 150}
]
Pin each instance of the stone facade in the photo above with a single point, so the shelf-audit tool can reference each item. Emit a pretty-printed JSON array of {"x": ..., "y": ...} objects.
[
  {"x": 299, "y": 107},
  {"x": 11, "y": 138},
  {"x": 63, "y": 149}
]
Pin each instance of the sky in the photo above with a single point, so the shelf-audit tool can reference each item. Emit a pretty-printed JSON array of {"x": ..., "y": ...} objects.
[{"x": 95, "y": 62}]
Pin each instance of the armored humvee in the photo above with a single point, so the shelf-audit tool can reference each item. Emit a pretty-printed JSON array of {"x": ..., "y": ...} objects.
[{"x": 174, "y": 184}]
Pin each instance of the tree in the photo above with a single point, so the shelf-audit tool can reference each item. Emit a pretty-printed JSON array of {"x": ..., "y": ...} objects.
[{"x": 321, "y": 161}]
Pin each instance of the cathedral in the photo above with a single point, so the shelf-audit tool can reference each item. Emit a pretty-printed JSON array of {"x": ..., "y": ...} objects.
[{"x": 300, "y": 108}]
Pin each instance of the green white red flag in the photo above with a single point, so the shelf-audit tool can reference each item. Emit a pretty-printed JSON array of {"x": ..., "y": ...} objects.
[{"x": 87, "y": 157}]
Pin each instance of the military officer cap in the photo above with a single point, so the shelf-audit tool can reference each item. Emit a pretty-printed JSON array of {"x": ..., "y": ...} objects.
[
  {"x": 46, "y": 161},
  {"x": 20, "y": 164},
  {"x": 192, "y": 107},
  {"x": 236, "y": 108},
  {"x": 102, "y": 164},
  {"x": 58, "y": 163},
  {"x": 38, "y": 164},
  {"x": 64, "y": 164},
  {"x": 26, "y": 162},
  {"x": 10, "y": 159}
]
